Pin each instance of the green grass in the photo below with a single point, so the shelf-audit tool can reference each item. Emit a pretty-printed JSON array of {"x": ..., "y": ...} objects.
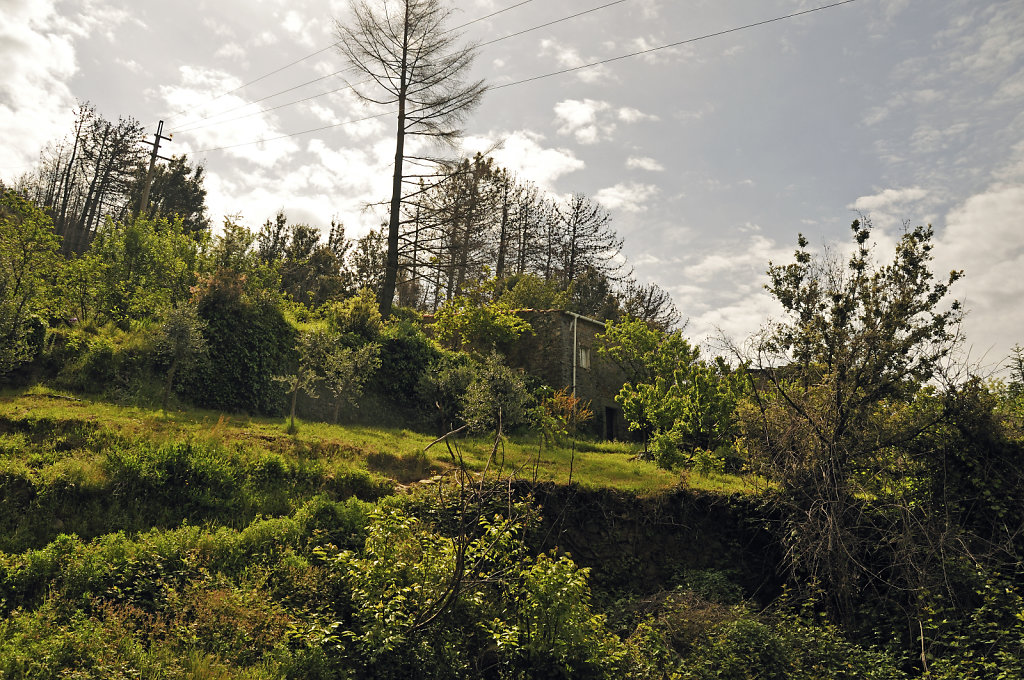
[{"x": 393, "y": 453}]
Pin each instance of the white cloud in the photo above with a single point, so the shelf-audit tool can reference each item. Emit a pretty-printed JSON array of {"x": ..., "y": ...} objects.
[
  {"x": 631, "y": 197},
  {"x": 569, "y": 57},
  {"x": 93, "y": 16},
  {"x": 983, "y": 236},
  {"x": 218, "y": 28},
  {"x": 630, "y": 115},
  {"x": 649, "y": 8},
  {"x": 700, "y": 113},
  {"x": 644, "y": 163},
  {"x": 198, "y": 88},
  {"x": 888, "y": 200},
  {"x": 230, "y": 50},
  {"x": 724, "y": 289},
  {"x": 651, "y": 50},
  {"x": 582, "y": 119},
  {"x": 522, "y": 153},
  {"x": 929, "y": 139},
  {"x": 591, "y": 121},
  {"x": 358, "y": 115},
  {"x": 875, "y": 115},
  {"x": 36, "y": 102},
  {"x": 130, "y": 64},
  {"x": 293, "y": 22},
  {"x": 324, "y": 113},
  {"x": 265, "y": 38}
]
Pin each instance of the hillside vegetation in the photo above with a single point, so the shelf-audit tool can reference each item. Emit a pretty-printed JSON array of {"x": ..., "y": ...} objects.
[
  {"x": 139, "y": 544},
  {"x": 219, "y": 459}
]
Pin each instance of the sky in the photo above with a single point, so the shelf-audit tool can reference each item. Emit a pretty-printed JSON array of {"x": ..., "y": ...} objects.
[{"x": 711, "y": 156}]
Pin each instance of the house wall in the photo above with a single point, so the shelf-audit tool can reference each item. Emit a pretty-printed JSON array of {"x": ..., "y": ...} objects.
[{"x": 548, "y": 354}]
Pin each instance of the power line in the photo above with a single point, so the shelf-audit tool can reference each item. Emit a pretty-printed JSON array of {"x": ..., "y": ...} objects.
[
  {"x": 296, "y": 134},
  {"x": 565, "y": 70},
  {"x": 669, "y": 45},
  {"x": 264, "y": 76},
  {"x": 194, "y": 125},
  {"x": 185, "y": 127},
  {"x": 329, "y": 47},
  {"x": 488, "y": 16},
  {"x": 551, "y": 23}
]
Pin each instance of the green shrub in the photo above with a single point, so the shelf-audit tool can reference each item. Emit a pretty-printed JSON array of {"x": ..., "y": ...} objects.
[
  {"x": 686, "y": 637},
  {"x": 497, "y": 392},
  {"x": 510, "y": 615},
  {"x": 249, "y": 341},
  {"x": 442, "y": 388},
  {"x": 987, "y": 642},
  {"x": 707, "y": 463},
  {"x": 405, "y": 355}
]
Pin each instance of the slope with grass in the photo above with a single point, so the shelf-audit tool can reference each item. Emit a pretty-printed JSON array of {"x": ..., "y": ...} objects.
[{"x": 192, "y": 544}]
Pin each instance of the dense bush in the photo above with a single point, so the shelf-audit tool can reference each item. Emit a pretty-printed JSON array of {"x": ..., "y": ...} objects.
[
  {"x": 442, "y": 388},
  {"x": 28, "y": 253},
  {"x": 405, "y": 355},
  {"x": 497, "y": 393},
  {"x": 248, "y": 342},
  {"x": 56, "y": 479}
]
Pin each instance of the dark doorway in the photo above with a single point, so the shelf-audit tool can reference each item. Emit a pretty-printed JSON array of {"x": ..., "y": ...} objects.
[{"x": 610, "y": 416}]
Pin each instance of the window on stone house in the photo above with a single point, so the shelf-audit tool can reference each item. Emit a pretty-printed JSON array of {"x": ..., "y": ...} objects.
[{"x": 584, "y": 358}]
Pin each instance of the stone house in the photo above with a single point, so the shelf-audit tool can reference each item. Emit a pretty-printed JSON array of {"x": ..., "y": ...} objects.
[{"x": 562, "y": 351}]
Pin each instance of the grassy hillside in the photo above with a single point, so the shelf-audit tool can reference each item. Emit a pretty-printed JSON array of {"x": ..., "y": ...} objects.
[
  {"x": 135, "y": 544},
  {"x": 195, "y": 544},
  {"x": 396, "y": 454}
]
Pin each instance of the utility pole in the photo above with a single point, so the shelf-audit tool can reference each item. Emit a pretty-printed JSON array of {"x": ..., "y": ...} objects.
[{"x": 144, "y": 203}]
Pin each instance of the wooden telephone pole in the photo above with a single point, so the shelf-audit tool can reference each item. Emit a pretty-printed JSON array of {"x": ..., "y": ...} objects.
[{"x": 144, "y": 203}]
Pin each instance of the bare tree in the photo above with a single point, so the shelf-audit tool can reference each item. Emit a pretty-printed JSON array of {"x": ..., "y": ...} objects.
[
  {"x": 650, "y": 303},
  {"x": 587, "y": 240},
  {"x": 411, "y": 61},
  {"x": 83, "y": 179}
]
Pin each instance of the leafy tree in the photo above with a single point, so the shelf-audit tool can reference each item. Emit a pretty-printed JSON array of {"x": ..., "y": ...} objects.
[
  {"x": 645, "y": 353},
  {"x": 176, "y": 192},
  {"x": 857, "y": 340},
  {"x": 79, "y": 282},
  {"x": 181, "y": 340},
  {"x": 1015, "y": 363},
  {"x": 405, "y": 355},
  {"x": 676, "y": 399},
  {"x": 233, "y": 251},
  {"x": 691, "y": 411},
  {"x": 28, "y": 253},
  {"x": 347, "y": 370},
  {"x": 592, "y": 294},
  {"x": 461, "y": 325},
  {"x": 356, "y": 320},
  {"x": 529, "y": 291},
  {"x": 649, "y": 303},
  {"x": 498, "y": 394},
  {"x": 272, "y": 238},
  {"x": 463, "y": 210},
  {"x": 443, "y": 388},
  {"x": 367, "y": 260},
  {"x": 142, "y": 267},
  {"x": 84, "y": 179},
  {"x": 309, "y": 350},
  {"x": 414, "y": 63},
  {"x": 249, "y": 342}
]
